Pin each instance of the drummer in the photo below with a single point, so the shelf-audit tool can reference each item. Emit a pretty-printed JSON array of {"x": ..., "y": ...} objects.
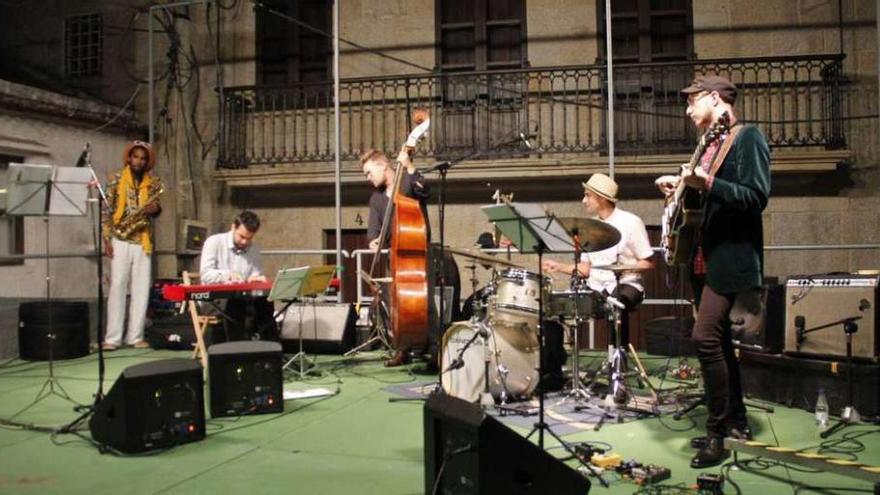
[{"x": 634, "y": 249}]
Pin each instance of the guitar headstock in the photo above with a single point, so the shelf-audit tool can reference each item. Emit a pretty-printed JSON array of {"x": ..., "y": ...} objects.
[{"x": 718, "y": 128}]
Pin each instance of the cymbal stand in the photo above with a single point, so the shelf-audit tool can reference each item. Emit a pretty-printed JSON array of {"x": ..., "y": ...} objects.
[{"x": 578, "y": 391}]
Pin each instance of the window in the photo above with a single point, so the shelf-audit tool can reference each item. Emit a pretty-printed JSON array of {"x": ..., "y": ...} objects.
[
  {"x": 480, "y": 34},
  {"x": 83, "y": 44},
  {"x": 645, "y": 31},
  {"x": 648, "y": 30},
  {"x": 288, "y": 52},
  {"x": 11, "y": 228},
  {"x": 480, "y": 109}
]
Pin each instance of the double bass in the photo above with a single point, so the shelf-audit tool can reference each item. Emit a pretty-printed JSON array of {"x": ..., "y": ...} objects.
[{"x": 408, "y": 252}]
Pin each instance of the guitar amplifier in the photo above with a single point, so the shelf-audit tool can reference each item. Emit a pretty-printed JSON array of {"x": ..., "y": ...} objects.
[{"x": 816, "y": 309}]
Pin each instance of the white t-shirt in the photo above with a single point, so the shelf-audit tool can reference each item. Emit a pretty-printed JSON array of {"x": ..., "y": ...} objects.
[{"x": 633, "y": 246}]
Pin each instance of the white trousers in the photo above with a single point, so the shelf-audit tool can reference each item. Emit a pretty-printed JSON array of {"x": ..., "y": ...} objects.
[{"x": 130, "y": 265}]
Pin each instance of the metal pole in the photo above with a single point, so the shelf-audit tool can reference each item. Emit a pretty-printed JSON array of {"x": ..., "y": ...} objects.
[
  {"x": 338, "y": 145},
  {"x": 150, "y": 74},
  {"x": 610, "y": 70}
]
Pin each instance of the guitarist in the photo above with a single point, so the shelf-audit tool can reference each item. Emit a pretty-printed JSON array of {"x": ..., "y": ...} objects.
[
  {"x": 379, "y": 173},
  {"x": 733, "y": 180}
]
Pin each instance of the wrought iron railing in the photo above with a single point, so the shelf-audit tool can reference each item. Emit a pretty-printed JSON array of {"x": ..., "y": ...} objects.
[{"x": 797, "y": 101}]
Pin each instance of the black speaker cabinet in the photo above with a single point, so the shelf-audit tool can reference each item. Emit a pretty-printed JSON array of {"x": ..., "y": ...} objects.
[
  {"x": 245, "y": 378},
  {"x": 470, "y": 452},
  {"x": 152, "y": 406},
  {"x": 825, "y": 301},
  {"x": 327, "y": 328},
  {"x": 758, "y": 320},
  {"x": 795, "y": 381},
  {"x": 56, "y": 328}
]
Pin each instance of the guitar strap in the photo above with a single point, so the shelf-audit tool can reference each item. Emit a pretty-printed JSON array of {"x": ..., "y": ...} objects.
[{"x": 719, "y": 157}]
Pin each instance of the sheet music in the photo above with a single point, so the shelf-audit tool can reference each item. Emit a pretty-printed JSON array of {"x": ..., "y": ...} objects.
[{"x": 525, "y": 223}]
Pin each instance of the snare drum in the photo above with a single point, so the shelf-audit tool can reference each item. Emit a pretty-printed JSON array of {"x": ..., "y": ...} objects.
[
  {"x": 567, "y": 304},
  {"x": 516, "y": 297},
  {"x": 513, "y": 362}
]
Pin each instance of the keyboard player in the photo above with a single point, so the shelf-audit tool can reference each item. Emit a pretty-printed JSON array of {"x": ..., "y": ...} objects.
[{"x": 232, "y": 257}]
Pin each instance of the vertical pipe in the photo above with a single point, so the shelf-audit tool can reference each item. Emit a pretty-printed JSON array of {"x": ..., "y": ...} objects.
[
  {"x": 150, "y": 74},
  {"x": 610, "y": 70},
  {"x": 337, "y": 144}
]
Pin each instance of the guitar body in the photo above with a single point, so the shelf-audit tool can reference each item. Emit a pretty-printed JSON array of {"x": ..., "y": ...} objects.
[
  {"x": 409, "y": 291},
  {"x": 683, "y": 213},
  {"x": 682, "y": 220}
]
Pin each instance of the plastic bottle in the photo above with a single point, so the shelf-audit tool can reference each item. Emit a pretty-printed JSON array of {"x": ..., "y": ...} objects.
[{"x": 822, "y": 410}]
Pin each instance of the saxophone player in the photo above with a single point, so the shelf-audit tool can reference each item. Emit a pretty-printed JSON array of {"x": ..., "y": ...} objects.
[{"x": 132, "y": 202}]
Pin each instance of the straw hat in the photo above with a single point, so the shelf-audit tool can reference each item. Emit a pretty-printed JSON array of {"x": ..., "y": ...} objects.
[{"x": 602, "y": 185}]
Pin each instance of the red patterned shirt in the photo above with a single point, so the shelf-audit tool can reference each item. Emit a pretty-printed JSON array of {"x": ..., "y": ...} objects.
[{"x": 706, "y": 164}]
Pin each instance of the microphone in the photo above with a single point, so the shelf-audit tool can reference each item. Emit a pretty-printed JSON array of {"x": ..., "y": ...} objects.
[
  {"x": 864, "y": 305},
  {"x": 800, "y": 323},
  {"x": 82, "y": 160},
  {"x": 615, "y": 302},
  {"x": 455, "y": 364},
  {"x": 525, "y": 139}
]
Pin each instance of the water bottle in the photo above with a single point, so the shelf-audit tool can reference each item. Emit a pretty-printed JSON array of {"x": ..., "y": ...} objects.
[{"x": 822, "y": 410}]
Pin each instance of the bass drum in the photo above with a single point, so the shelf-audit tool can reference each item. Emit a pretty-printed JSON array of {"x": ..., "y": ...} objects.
[{"x": 513, "y": 361}]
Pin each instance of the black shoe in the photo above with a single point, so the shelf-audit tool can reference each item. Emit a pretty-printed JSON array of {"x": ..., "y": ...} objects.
[
  {"x": 712, "y": 454},
  {"x": 737, "y": 432}
]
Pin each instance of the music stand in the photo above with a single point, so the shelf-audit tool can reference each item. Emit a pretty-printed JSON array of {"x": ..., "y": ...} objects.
[
  {"x": 40, "y": 190},
  {"x": 295, "y": 283},
  {"x": 532, "y": 230}
]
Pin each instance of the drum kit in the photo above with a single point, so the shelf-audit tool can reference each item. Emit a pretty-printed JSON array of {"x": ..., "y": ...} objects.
[{"x": 494, "y": 356}]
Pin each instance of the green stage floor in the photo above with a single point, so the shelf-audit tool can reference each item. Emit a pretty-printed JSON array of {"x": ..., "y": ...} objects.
[{"x": 355, "y": 442}]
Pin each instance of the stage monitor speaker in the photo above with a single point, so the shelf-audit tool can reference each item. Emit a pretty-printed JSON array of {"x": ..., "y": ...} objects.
[
  {"x": 327, "y": 328},
  {"x": 470, "y": 452},
  {"x": 245, "y": 378},
  {"x": 827, "y": 300},
  {"x": 758, "y": 322},
  {"x": 59, "y": 328},
  {"x": 152, "y": 406}
]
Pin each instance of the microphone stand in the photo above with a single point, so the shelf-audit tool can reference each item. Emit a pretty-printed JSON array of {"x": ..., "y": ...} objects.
[
  {"x": 99, "y": 251},
  {"x": 443, "y": 169}
]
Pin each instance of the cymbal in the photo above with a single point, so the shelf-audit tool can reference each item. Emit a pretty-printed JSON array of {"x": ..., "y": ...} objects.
[
  {"x": 484, "y": 258},
  {"x": 619, "y": 267},
  {"x": 595, "y": 235}
]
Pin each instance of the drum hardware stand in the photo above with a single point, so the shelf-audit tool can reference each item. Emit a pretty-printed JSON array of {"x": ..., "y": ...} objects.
[{"x": 379, "y": 323}]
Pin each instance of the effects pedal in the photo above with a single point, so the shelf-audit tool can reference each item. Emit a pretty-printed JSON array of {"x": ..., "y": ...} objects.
[
  {"x": 606, "y": 461},
  {"x": 710, "y": 484},
  {"x": 649, "y": 474}
]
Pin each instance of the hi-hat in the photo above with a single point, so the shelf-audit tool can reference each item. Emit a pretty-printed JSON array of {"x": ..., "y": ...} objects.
[
  {"x": 484, "y": 258},
  {"x": 595, "y": 235}
]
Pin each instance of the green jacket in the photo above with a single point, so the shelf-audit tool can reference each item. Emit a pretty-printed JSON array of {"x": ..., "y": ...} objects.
[{"x": 732, "y": 233}]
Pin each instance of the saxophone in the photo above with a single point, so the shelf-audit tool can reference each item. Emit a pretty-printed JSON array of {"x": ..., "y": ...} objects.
[{"x": 136, "y": 220}]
